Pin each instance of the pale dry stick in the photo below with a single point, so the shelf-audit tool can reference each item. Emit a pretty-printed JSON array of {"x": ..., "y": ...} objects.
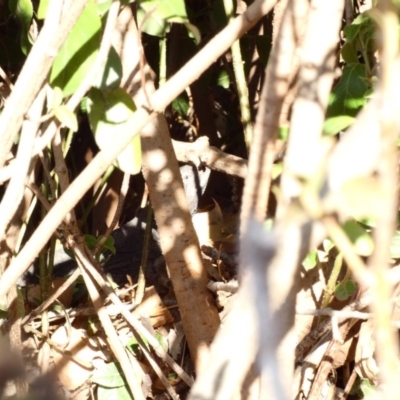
[
  {"x": 132, "y": 371},
  {"x": 160, "y": 99},
  {"x": 159, "y": 373},
  {"x": 101, "y": 58},
  {"x": 393, "y": 276},
  {"x": 259, "y": 249},
  {"x": 58, "y": 348},
  {"x": 85, "y": 85},
  {"x": 335, "y": 313},
  {"x": 58, "y": 24},
  {"x": 279, "y": 73},
  {"x": 6, "y": 79},
  {"x": 230, "y": 287},
  {"x": 137, "y": 326},
  {"x": 349, "y": 385},
  {"x": 23, "y": 162},
  {"x": 354, "y": 261},
  {"x": 226, "y": 370},
  {"x": 386, "y": 336},
  {"x": 318, "y": 54},
  {"x": 200, "y": 152},
  {"x": 240, "y": 78},
  {"x": 52, "y": 298}
]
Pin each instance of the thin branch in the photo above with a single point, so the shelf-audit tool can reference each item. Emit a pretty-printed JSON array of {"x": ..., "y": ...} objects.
[
  {"x": 160, "y": 99},
  {"x": 57, "y": 27},
  {"x": 132, "y": 371},
  {"x": 23, "y": 162},
  {"x": 200, "y": 152}
]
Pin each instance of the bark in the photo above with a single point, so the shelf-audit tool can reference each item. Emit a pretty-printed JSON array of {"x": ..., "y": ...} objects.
[{"x": 178, "y": 239}]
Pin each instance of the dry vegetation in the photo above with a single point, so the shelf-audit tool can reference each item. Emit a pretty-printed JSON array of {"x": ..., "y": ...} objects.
[{"x": 275, "y": 275}]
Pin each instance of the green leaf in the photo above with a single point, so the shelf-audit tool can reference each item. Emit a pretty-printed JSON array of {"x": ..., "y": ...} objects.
[
  {"x": 134, "y": 346},
  {"x": 361, "y": 28},
  {"x": 283, "y": 133},
  {"x": 78, "y": 53},
  {"x": 108, "y": 112},
  {"x": 311, "y": 260},
  {"x": 327, "y": 245},
  {"x": 66, "y": 117},
  {"x": 161, "y": 339},
  {"x": 23, "y": 10},
  {"x": 83, "y": 105},
  {"x": 334, "y": 125},
  {"x": 154, "y": 16},
  {"x": 223, "y": 79},
  {"x": 366, "y": 388},
  {"x": 108, "y": 245},
  {"x": 110, "y": 76},
  {"x": 90, "y": 241},
  {"x": 55, "y": 98},
  {"x": 103, "y": 6},
  {"x": 108, "y": 376},
  {"x": 362, "y": 240},
  {"x": 181, "y": 106},
  {"x": 348, "y": 96},
  {"x": 349, "y": 53},
  {"x": 120, "y": 393},
  {"x": 345, "y": 290},
  {"x": 42, "y": 10}
]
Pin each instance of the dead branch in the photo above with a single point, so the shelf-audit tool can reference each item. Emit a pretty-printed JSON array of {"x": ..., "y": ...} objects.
[
  {"x": 61, "y": 17},
  {"x": 159, "y": 100}
]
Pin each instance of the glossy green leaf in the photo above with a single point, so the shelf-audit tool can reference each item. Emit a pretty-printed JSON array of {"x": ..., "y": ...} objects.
[
  {"x": 334, "y": 125},
  {"x": 108, "y": 376},
  {"x": 154, "y": 16},
  {"x": 110, "y": 77},
  {"x": 108, "y": 112},
  {"x": 359, "y": 236},
  {"x": 345, "y": 290},
  {"x": 348, "y": 96},
  {"x": 42, "y": 9},
  {"x": 66, "y": 117},
  {"x": 77, "y": 55},
  {"x": 23, "y": 10}
]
